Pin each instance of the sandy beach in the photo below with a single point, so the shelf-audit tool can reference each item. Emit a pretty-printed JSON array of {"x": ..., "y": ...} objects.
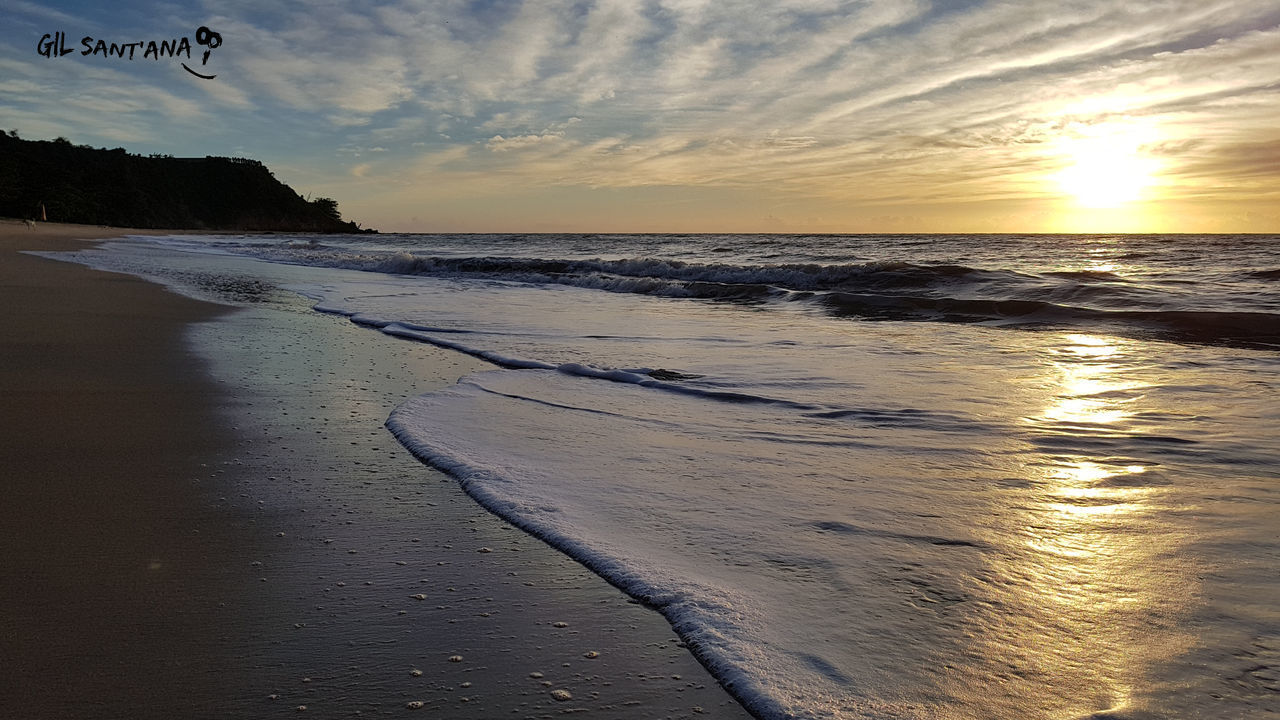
[{"x": 182, "y": 537}]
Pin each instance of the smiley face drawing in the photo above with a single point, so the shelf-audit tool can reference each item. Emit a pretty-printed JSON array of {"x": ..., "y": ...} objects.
[{"x": 211, "y": 40}]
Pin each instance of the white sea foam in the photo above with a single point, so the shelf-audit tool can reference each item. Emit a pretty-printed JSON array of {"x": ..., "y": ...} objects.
[{"x": 642, "y": 488}]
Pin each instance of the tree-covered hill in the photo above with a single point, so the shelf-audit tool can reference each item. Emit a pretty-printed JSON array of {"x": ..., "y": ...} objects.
[{"x": 80, "y": 184}]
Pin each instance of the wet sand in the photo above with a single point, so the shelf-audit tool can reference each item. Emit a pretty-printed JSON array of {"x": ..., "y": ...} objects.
[
  {"x": 205, "y": 518},
  {"x": 110, "y": 593}
]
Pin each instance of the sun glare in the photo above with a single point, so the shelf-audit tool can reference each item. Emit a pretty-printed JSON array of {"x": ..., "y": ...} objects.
[{"x": 1107, "y": 168}]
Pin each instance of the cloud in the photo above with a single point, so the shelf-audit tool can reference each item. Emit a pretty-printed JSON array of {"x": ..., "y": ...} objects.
[
  {"x": 112, "y": 99},
  {"x": 498, "y": 143},
  {"x": 873, "y": 101},
  {"x": 44, "y": 13}
]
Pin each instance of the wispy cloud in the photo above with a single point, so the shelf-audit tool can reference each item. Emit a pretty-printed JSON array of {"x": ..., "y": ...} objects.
[{"x": 859, "y": 103}]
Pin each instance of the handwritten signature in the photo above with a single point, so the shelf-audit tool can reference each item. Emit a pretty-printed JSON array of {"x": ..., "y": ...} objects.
[{"x": 54, "y": 45}]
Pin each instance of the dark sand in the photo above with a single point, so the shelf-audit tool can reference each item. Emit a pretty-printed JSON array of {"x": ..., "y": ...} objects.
[
  {"x": 109, "y": 595},
  {"x": 236, "y": 534}
]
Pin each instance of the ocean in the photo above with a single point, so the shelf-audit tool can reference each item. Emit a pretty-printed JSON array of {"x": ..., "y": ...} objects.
[{"x": 900, "y": 476}]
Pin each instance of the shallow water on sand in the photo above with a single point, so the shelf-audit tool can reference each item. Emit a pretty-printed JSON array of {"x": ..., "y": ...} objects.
[
  {"x": 369, "y": 572},
  {"x": 1039, "y": 512}
]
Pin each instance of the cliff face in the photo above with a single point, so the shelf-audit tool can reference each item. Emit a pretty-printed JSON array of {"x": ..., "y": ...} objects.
[{"x": 79, "y": 184}]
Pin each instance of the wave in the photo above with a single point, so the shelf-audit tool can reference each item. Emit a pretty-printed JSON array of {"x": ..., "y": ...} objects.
[
  {"x": 707, "y": 618},
  {"x": 733, "y": 282},
  {"x": 659, "y": 275},
  {"x": 655, "y": 276},
  {"x": 1244, "y": 329},
  {"x": 1087, "y": 275},
  {"x": 656, "y": 378},
  {"x": 882, "y": 290}
]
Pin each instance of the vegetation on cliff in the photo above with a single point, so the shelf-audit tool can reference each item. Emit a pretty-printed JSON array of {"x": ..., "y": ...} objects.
[{"x": 80, "y": 184}]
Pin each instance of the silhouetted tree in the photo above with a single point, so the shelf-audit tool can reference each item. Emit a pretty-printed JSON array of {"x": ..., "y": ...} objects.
[{"x": 328, "y": 206}]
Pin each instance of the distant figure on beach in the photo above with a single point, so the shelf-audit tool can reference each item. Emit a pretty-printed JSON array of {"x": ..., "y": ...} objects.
[{"x": 31, "y": 224}]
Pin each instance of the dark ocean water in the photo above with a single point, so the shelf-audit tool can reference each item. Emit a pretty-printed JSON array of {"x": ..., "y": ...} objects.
[{"x": 1195, "y": 288}]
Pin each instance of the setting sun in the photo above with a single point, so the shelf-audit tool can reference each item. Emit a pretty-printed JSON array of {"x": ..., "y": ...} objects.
[{"x": 1107, "y": 168}]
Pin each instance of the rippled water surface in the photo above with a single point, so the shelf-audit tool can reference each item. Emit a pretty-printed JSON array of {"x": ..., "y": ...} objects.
[{"x": 914, "y": 476}]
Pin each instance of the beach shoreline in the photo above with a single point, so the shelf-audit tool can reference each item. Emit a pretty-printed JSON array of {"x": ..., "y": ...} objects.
[{"x": 191, "y": 533}]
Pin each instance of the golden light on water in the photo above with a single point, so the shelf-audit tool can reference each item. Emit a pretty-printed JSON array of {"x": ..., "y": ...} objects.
[
  {"x": 1093, "y": 396},
  {"x": 1087, "y": 564},
  {"x": 1086, "y": 490},
  {"x": 1088, "y": 385}
]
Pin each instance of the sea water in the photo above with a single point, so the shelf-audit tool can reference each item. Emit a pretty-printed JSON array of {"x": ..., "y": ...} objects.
[{"x": 867, "y": 476}]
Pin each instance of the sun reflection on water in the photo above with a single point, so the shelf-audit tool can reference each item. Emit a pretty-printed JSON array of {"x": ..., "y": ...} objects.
[
  {"x": 1091, "y": 397},
  {"x": 1090, "y": 389},
  {"x": 1089, "y": 530},
  {"x": 1103, "y": 254}
]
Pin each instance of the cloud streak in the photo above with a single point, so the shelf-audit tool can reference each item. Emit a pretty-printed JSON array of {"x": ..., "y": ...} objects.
[{"x": 866, "y": 103}]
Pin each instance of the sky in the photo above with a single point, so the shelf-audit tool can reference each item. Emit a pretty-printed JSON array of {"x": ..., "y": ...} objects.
[{"x": 692, "y": 115}]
